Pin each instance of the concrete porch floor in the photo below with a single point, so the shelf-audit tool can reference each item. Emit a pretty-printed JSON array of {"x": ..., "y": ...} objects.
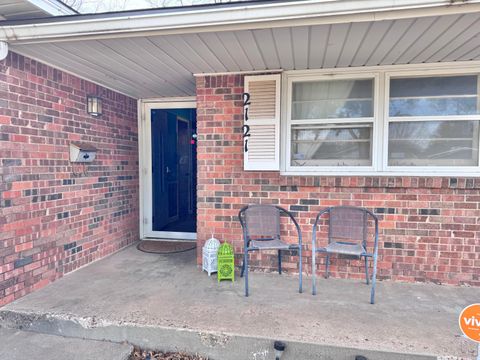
[{"x": 165, "y": 302}]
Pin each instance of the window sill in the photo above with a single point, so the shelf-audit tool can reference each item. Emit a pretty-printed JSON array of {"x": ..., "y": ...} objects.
[
  {"x": 420, "y": 173},
  {"x": 381, "y": 180}
]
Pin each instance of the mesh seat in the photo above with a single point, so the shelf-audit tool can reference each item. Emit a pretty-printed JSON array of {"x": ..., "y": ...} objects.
[
  {"x": 274, "y": 244},
  {"x": 348, "y": 229},
  {"x": 345, "y": 248},
  {"x": 261, "y": 231}
]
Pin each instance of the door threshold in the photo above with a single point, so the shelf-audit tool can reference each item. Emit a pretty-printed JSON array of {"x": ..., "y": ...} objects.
[{"x": 168, "y": 239}]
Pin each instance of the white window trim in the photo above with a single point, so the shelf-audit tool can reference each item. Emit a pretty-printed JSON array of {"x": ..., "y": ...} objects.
[
  {"x": 388, "y": 120},
  {"x": 382, "y": 75},
  {"x": 373, "y": 120}
]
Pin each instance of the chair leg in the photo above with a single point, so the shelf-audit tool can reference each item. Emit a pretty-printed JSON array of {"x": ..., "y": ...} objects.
[
  {"x": 245, "y": 263},
  {"x": 314, "y": 273},
  {"x": 300, "y": 290},
  {"x": 280, "y": 262},
  {"x": 366, "y": 270},
  {"x": 327, "y": 266},
  {"x": 374, "y": 280},
  {"x": 243, "y": 267}
]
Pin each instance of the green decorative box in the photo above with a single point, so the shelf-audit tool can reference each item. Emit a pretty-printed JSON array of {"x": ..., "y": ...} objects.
[{"x": 226, "y": 262}]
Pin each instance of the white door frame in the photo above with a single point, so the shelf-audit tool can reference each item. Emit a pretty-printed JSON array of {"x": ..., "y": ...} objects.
[{"x": 145, "y": 163}]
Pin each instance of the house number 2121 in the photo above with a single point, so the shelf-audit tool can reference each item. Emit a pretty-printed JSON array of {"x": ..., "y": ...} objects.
[{"x": 246, "y": 128}]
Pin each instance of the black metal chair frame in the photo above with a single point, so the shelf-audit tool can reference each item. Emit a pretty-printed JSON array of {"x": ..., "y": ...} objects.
[
  {"x": 248, "y": 248},
  {"x": 364, "y": 254}
]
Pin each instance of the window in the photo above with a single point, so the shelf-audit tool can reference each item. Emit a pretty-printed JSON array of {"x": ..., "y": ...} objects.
[
  {"x": 433, "y": 121},
  {"x": 387, "y": 120},
  {"x": 332, "y": 122}
]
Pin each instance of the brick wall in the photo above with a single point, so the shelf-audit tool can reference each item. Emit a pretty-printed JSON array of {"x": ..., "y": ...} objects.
[
  {"x": 429, "y": 226},
  {"x": 51, "y": 221}
]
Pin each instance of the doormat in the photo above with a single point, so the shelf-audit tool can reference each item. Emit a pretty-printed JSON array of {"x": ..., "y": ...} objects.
[{"x": 165, "y": 247}]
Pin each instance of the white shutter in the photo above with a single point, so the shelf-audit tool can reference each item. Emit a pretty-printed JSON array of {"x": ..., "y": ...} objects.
[{"x": 261, "y": 130}]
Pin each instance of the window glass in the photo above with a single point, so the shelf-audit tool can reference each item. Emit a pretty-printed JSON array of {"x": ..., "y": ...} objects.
[
  {"x": 332, "y": 99},
  {"x": 433, "y": 143},
  {"x": 432, "y": 121},
  {"x": 332, "y": 145},
  {"x": 434, "y": 96}
]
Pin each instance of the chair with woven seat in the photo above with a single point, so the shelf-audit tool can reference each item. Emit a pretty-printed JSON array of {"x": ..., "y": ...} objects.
[
  {"x": 261, "y": 231},
  {"x": 347, "y": 235}
]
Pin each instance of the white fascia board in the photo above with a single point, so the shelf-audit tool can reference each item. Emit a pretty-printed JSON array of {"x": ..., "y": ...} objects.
[
  {"x": 52, "y": 7},
  {"x": 241, "y": 16}
]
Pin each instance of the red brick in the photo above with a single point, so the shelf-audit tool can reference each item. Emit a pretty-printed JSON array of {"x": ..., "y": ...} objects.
[
  {"x": 422, "y": 241},
  {"x": 24, "y": 246},
  {"x": 39, "y": 144}
]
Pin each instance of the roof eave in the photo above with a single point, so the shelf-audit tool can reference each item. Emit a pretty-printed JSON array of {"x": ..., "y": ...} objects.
[{"x": 246, "y": 16}]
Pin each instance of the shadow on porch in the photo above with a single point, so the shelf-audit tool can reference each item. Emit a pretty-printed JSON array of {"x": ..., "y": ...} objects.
[{"x": 166, "y": 302}]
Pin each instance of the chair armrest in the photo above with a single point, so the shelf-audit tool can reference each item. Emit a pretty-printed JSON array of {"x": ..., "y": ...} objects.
[
  {"x": 246, "y": 241},
  {"x": 375, "y": 219},
  {"x": 299, "y": 231},
  {"x": 314, "y": 228}
]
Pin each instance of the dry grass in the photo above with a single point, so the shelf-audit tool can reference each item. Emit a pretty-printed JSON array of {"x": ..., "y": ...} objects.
[{"x": 139, "y": 354}]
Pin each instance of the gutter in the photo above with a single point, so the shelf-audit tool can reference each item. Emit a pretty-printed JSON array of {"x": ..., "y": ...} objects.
[{"x": 216, "y": 18}]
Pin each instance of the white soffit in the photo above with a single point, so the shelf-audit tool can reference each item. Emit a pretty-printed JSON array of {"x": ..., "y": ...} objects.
[{"x": 163, "y": 65}]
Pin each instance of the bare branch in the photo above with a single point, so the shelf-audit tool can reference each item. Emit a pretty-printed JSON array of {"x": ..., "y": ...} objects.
[{"x": 95, "y": 6}]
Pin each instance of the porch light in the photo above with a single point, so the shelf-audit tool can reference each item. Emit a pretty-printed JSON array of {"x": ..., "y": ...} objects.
[
  {"x": 279, "y": 347},
  {"x": 209, "y": 255},
  {"x": 94, "y": 105},
  {"x": 226, "y": 262}
]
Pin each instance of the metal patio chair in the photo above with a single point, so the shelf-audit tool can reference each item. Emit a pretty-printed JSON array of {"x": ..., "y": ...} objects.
[
  {"x": 347, "y": 235},
  {"x": 261, "y": 231}
]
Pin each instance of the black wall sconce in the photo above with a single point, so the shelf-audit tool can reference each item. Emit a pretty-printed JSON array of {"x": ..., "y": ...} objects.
[{"x": 94, "y": 105}]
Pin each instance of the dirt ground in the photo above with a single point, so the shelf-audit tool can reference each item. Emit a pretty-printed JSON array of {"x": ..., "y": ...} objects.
[{"x": 139, "y": 354}]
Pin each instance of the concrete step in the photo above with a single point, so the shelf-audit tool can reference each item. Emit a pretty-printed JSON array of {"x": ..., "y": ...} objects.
[
  {"x": 217, "y": 346},
  {"x": 20, "y": 345}
]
